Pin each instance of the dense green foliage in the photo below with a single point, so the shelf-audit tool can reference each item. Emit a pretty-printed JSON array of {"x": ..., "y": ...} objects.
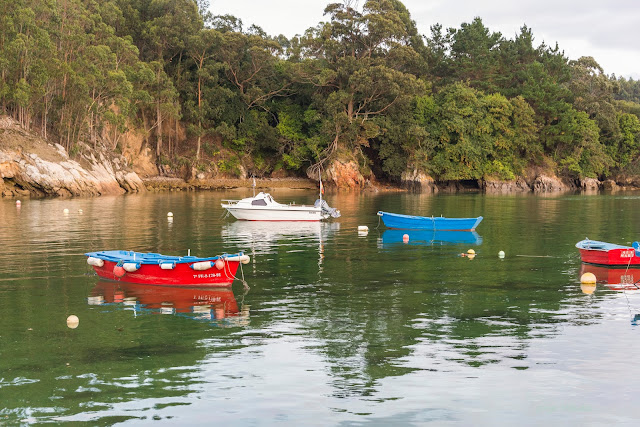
[{"x": 458, "y": 104}]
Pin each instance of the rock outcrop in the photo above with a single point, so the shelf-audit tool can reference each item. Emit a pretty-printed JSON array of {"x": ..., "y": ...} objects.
[
  {"x": 504, "y": 187},
  {"x": 345, "y": 175},
  {"x": 549, "y": 184},
  {"x": 30, "y": 166},
  {"x": 610, "y": 185},
  {"x": 416, "y": 180},
  {"x": 590, "y": 184}
]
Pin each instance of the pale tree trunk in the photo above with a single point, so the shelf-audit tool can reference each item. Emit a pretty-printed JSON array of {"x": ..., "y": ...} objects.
[
  {"x": 159, "y": 130},
  {"x": 199, "y": 115}
]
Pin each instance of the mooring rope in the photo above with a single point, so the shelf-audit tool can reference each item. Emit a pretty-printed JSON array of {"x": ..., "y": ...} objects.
[{"x": 228, "y": 273}]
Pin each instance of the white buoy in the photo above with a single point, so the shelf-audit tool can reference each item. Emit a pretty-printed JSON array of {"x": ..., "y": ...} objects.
[
  {"x": 363, "y": 228},
  {"x": 73, "y": 321},
  {"x": 65, "y": 211},
  {"x": 170, "y": 214},
  {"x": 18, "y": 202},
  {"x": 501, "y": 254}
]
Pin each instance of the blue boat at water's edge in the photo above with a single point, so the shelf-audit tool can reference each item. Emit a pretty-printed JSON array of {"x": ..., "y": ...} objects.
[{"x": 437, "y": 223}]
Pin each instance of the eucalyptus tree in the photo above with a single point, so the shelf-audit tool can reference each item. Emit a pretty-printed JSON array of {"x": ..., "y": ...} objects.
[
  {"x": 27, "y": 51},
  {"x": 202, "y": 49},
  {"x": 161, "y": 30},
  {"x": 474, "y": 50},
  {"x": 359, "y": 63},
  {"x": 255, "y": 76},
  {"x": 592, "y": 92},
  {"x": 471, "y": 135},
  {"x": 629, "y": 146},
  {"x": 629, "y": 89}
]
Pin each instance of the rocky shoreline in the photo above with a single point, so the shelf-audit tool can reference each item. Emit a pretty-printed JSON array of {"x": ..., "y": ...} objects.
[
  {"x": 31, "y": 167},
  {"x": 52, "y": 173}
]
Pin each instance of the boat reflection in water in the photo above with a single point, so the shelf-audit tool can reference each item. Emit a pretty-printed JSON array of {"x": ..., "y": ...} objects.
[
  {"x": 209, "y": 304},
  {"x": 429, "y": 237},
  {"x": 617, "y": 279},
  {"x": 626, "y": 280},
  {"x": 260, "y": 237}
]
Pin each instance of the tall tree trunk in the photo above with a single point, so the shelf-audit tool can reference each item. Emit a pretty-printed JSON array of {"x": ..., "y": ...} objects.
[
  {"x": 199, "y": 114},
  {"x": 159, "y": 130}
]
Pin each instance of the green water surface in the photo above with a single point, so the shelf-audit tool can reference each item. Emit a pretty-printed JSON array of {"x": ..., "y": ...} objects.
[{"x": 335, "y": 327}]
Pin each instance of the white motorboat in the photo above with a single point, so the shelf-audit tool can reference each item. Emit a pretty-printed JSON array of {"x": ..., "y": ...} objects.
[{"x": 262, "y": 207}]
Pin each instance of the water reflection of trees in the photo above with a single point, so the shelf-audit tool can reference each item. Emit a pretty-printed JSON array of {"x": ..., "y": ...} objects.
[{"x": 377, "y": 315}]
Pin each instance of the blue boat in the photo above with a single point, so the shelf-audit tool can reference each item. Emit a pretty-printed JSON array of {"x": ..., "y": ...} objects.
[
  {"x": 431, "y": 237},
  {"x": 438, "y": 223}
]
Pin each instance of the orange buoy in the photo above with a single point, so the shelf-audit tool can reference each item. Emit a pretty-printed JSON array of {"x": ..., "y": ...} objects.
[
  {"x": 119, "y": 271},
  {"x": 588, "y": 278},
  {"x": 219, "y": 264},
  {"x": 405, "y": 238}
]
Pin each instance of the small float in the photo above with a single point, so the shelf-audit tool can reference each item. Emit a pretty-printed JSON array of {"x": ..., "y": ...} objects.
[
  {"x": 157, "y": 269},
  {"x": 437, "y": 223},
  {"x": 603, "y": 253},
  {"x": 431, "y": 237}
]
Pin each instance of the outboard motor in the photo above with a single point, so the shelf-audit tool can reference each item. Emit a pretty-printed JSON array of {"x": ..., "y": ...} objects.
[{"x": 333, "y": 212}]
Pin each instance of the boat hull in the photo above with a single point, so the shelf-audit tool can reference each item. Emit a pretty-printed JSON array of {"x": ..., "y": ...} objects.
[
  {"x": 411, "y": 222},
  {"x": 297, "y": 213},
  {"x": 262, "y": 207},
  {"x": 602, "y": 253},
  {"x": 147, "y": 268}
]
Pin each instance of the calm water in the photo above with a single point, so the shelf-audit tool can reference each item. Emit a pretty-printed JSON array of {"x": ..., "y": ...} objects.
[{"x": 336, "y": 328}]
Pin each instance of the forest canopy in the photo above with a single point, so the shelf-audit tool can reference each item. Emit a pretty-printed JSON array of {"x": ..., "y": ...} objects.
[{"x": 363, "y": 85}]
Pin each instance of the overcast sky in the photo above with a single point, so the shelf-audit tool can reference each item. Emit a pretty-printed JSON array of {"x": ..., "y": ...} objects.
[{"x": 609, "y": 31}]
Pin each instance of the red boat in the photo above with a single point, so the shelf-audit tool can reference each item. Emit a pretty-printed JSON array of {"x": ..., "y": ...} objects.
[
  {"x": 157, "y": 269},
  {"x": 603, "y": 253},
  {"x": 212, "y": 303}
]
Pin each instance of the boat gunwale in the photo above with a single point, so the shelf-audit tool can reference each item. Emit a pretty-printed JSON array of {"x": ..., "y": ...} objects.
[
  {"x": 152, "y": 258},
  {"x": 602, "y": 246}
]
